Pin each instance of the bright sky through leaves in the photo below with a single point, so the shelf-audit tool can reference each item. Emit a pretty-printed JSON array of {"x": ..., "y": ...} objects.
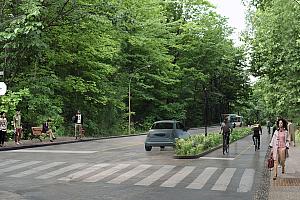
[{"x": 234, "y": 10}]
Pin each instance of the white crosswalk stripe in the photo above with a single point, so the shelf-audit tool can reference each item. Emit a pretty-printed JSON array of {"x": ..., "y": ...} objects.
[
  {"x": 201, "y": 180},
  {"x": 224, "y": 179},
  {"x": 156, "y": 175},
  {"x": 129, "y": 174},
  {"x": 8, "y": 162},
  {"x": 175, "y": 179},
  {"x": 37, "y": 169},
  {"x": 158, "y": 172},
  {"x": 246, "y": 181},
  {"x": 84, "y": 172},
  {"x": 19, "y": 166},
  {"x": 61, "y": 171},
  {"x": 106, "y": 173}
]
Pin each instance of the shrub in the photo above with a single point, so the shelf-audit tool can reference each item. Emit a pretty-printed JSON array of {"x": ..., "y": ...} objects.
[{"x": 197, "y": 144}]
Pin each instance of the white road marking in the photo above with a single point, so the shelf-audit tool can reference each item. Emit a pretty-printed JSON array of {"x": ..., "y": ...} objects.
[
  {"x": 37, "y": 169},
  {"x": 84, "y": 172},
  {"x": 246, "y": 181},
  {"x": 8, "y": 162},
  {"x": 201, "y": 180},
  {"x": 179, "y": 176},
  {"x": 156, "y": 175},
  {"x": 106, "y": 173},
  {"x": 129, "y": 174},
  {"x": 216, "y": 158},
  {"x": 61, "y": 171},
  {"x": 9, "y": 169},
  {"x": 51, "y": 151},
  {"x": 224, "y": 179}
]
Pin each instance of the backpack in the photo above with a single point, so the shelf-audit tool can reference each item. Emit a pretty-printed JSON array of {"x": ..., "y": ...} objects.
[{"x": 226, "y": 128}]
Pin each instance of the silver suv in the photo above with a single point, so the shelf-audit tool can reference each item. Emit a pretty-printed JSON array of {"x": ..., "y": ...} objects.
[{"x": 163, "y": 133}]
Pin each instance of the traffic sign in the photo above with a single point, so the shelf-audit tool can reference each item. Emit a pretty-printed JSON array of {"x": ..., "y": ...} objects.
[{"x": 3, "y": 88}]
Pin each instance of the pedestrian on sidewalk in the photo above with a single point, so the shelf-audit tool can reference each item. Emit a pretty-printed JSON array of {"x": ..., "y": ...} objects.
[
  {"x": 291, "y": 130},
  {"x": 3, "y": 128},
  {"x": 269, "y": 125},
  {"x": 78, "y": 120},
  {"x": 17, "y": 127},
  {"x": 279, "y": 144},
  {"x": 257, "y": 131}
]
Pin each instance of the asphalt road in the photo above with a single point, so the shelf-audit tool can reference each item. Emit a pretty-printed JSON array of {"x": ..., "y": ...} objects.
[{"x": 120, "y": 168}]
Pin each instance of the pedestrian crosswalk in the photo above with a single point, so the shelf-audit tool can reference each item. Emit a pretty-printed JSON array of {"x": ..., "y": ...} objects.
[{"x": 170, "y": 176}]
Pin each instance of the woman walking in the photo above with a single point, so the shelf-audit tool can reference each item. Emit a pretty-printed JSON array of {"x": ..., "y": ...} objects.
[{"x": 279, "y": 145}]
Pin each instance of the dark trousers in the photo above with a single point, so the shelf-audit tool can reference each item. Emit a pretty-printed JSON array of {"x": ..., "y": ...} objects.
[
  {"x": 227, "y": 135},
  {"x": 258, "y": 138},
  {"x": 2, "y": 137}
]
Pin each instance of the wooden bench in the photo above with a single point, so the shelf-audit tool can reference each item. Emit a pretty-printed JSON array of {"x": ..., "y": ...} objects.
[{"x": 37, "y": 133}]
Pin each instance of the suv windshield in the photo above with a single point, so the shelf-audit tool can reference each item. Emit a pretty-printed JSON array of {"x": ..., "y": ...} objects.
[{"x": 164, "y": 125}]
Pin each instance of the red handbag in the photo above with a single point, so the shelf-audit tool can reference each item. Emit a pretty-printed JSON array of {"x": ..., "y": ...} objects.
[{"x": 271, "y": 161}]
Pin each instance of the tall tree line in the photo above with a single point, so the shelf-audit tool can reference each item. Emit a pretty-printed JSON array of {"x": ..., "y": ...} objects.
[
  {"x": 274, "y": 41},
  {"x": 63, "y": 55}
]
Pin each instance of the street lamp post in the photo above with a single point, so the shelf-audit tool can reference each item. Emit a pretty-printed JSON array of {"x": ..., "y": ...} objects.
[
  {"x": 129, "y": 97},
  {"x": 205, "y": 121},
  {"x": 129, "y": 106}
]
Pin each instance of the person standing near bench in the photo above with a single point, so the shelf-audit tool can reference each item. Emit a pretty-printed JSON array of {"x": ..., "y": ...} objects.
[
  {"x": 3, "y": 128},
  {"x": 78, "y": 120},
  {"x": 47, "y": 130},
  {"x": 17, "y": 127}
]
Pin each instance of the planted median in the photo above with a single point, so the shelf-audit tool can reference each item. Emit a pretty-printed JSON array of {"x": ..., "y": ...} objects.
[{"x": 198, "y": 145}]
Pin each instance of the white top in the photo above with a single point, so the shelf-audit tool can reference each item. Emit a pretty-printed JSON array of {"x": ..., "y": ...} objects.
[
  {"x": 3, "y": 124},
  {"x": 78, "y": 119}
]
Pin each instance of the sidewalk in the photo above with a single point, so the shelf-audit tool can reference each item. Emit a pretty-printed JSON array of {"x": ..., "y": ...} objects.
[
  {"x": 287, "y": 186},
  {"x": 46, "y": 142},
  {"x": 59, "y": 140}
]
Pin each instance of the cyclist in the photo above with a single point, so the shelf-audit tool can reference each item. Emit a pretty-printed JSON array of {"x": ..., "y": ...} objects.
[
  {"x": 226, "y": 130},
  {"x": 257, "y": 131}
]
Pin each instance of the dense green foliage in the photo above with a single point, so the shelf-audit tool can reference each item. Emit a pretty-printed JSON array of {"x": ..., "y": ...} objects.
[
  {"x": 198, "y": 144},
  {"x": 275, "y": 58},
  {"x": 81, "y": 54}
]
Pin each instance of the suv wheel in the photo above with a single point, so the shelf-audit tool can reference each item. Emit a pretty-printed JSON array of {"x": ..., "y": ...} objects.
[{"x": 148, "y": 148}]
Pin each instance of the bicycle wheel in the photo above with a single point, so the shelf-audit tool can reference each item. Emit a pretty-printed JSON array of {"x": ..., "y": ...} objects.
[
  {"x": 227, "y": 146},
  {"x": 224, "y": 145}
]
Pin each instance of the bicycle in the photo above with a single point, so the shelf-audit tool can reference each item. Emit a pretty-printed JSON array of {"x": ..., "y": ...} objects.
[{"x": 225, "y": 143}]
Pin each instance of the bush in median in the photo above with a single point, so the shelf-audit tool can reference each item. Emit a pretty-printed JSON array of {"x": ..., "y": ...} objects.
[{"x": 197, "y": 144}]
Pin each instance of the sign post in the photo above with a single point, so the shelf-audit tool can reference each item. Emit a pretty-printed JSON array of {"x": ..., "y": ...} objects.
[{"x": 3, "y": 88}]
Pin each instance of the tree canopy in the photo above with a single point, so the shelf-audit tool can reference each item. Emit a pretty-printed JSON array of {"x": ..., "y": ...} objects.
[{"x": 83, "y": 54}]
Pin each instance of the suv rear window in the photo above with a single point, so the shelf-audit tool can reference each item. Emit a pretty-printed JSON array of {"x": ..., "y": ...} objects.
[{"x": 164, "y": 125}]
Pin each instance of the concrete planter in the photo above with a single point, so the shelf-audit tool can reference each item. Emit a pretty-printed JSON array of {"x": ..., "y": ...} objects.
[{"x": 205, "y": 152}]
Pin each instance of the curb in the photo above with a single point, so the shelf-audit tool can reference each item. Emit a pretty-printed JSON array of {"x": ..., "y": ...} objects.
[
  {"x": 198, "y": 155},
  {"x": 63, "y": 142}
]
